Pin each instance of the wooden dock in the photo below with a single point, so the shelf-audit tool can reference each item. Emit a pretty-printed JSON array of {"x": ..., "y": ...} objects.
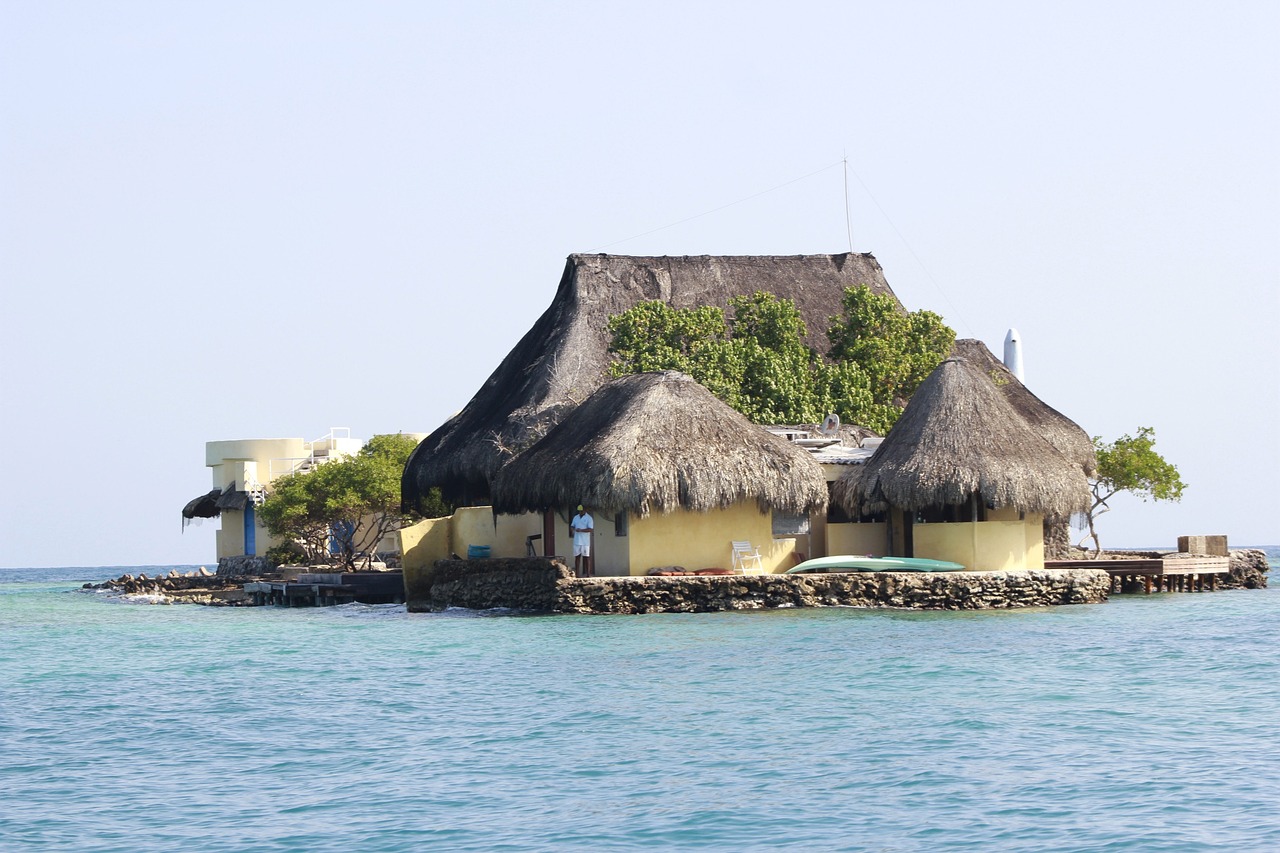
[
  {"x": 327, "y": 589},
  {"x": 1170, "y": 574}
]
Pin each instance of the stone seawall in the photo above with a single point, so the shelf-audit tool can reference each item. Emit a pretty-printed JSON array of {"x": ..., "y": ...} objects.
[
  {"x": 547, "y": 586},
  {"x": 1249, "y": 569}
]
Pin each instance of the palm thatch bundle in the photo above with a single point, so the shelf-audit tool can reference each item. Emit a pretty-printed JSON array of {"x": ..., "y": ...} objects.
[
  {"x": 204, "y": 506},
  {"x": 1055, "y": 427},
  {"x": 960, "y": 436},
  {"x": 657, "y": 442},
  {"x": 564, "y": 357}
]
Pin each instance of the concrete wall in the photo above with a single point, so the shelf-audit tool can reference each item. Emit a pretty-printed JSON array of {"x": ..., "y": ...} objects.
[
  {"x": 472, "y": 525},
  {"x": 983, "y": 545},
  {"x": 239, "y": 462},
  {"x": 700, "y": 540},
  {"x": 425, "y": 542},
  {"x": 229, "y": 538},
  {"x": 258, "y": 450},
  {"x": 1213, "y": 546},
  {"x": 871, "y": 538},
  {"x": 434, "y": 539},
  {"x": 689, "y": 539}
]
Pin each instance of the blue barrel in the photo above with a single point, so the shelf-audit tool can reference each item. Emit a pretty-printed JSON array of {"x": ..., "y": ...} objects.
[{"x": 477, "y": 552}]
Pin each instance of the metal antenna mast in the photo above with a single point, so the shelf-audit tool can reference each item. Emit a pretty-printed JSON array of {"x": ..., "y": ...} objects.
[{"x": 848, "y": 222}]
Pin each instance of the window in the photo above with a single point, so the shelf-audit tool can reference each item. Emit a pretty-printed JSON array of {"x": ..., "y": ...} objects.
[
  {"x": 620, "y": 523},
  {"x": 952, "y": 513},
  {"x": 785, "y": 524}
]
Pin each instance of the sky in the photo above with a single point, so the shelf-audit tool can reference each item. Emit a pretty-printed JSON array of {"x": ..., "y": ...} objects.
[{"x": 249, "y": 220}]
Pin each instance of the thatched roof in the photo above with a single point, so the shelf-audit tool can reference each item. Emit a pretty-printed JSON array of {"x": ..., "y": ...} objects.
[
  {"x": 1055, "y": 427},
  {"x": 204, "y": 506},
  {"x": 656, "y": 442},
  {"x": 960, "y": 435},
  {"x": 564, "y": 357}
]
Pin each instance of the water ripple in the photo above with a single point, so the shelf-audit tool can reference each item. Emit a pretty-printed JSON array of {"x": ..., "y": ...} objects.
[{"x": 1142, "y": 724}]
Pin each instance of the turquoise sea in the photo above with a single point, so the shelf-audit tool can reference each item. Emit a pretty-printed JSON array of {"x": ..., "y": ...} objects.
[{"x": 1146, "y": 723}]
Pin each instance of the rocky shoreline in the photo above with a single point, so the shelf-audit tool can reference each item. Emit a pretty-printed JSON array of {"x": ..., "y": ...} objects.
[
  {"x": 542, "y": 585},
  {"x": 198, "y": 587},
  {"x": 548, "y": 586}
]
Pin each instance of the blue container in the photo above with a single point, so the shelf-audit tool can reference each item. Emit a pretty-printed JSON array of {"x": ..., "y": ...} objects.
[{"x": 477, "y": 552}]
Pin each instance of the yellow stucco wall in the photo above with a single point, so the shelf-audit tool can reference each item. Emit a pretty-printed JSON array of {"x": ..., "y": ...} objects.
[
  {"x": 425, "y": 542},
  {"x": 435, "y": 539},
  {"x": 693, "y": 540},
  {"x": 611, "y": 552},
  {"x": 1033, "y": 529},
  {"x": 858, "y": 539},
  {"x": 701, "y": 540},
  {"x": 508, "y": 539},
  {"x": 472, "y": 525},
  {"x": 983, "y": 545}
]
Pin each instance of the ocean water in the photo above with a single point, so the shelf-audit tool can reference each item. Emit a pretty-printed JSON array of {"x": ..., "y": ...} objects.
[{"x": 1146, "y": 723}]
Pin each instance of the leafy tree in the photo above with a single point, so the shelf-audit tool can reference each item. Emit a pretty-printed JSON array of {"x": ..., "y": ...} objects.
[
  {"x": 292, "y": 511},
  {"x": 896, "y": 350},
  {"x": 339, "y": 511},
  {"x": 758, "y": 363},
  {"x": 656, "y": 336},
  {"x": 1130, "y": 464}
]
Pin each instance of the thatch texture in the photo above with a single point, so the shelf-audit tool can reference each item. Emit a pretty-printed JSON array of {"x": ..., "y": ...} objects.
[
  {"x": 1053, "y": 426},
  {"x": 657, "y": 442},
  {"x": 564, "y": 357},
  {"x": 958, "y": 436},
  {"x": 204, "y": 506}
]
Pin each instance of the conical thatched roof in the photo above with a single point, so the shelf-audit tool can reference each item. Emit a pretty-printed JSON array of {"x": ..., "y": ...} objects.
[
  {"x": 564, "y": 357},
  {"x": 656, "y": 442},
  {"x": 1055, "y": 427},
  {"x": 960, "y": 435}
]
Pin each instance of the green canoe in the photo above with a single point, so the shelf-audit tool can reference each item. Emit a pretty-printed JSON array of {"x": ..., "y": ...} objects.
[{"x": 852, "y": 563}]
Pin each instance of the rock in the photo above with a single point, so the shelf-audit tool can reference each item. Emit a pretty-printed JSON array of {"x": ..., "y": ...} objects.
[
  {"x": 1249, "y": 569},
  {"x": 205, "y": 573},
  {"x": 242, "y": 566},
  {"x": 539, "y": 584}
]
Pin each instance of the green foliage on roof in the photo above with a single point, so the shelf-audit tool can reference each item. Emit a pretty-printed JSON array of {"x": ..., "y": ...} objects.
[{"x": 755, "y": 359}]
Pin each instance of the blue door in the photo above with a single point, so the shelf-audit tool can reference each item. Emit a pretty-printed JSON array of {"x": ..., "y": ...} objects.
[{"x": 250, "y": 533}]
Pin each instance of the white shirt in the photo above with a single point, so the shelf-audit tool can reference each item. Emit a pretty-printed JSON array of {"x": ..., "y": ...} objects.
[{"x": 582, "y": 525}]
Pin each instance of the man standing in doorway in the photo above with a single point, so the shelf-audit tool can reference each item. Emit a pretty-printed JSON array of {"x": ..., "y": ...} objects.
[{"x": 582, "y": 525}]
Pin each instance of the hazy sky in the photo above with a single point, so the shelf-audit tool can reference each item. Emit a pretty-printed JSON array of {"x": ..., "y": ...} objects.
[{"x": 237, "y": 220}]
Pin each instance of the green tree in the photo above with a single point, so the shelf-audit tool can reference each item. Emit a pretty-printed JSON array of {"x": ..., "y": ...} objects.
[
  {"x": 654, "y": 336},
  {"x": 757, "y": 361},
  {"x": 1130, "y": 464},
  {"x": 896, "y": 350},
  {"x": 339, "y": 511}
]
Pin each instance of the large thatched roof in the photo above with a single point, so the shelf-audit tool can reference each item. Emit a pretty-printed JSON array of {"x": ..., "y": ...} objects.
[
  {"x": 1055, "y": 427},
  {"x": 960, "y": 435},
  {"x": 564, "y": 357},
  {"x": 656, "y": 442}
]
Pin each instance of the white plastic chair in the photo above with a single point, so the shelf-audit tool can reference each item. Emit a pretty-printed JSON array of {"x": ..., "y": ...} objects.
[{"x": 744, "y": 555}]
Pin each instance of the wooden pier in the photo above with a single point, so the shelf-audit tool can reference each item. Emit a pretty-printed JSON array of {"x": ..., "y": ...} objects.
[
  {"x": 327, "y": 589},
  {"x": 1170, "y": 574}
]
